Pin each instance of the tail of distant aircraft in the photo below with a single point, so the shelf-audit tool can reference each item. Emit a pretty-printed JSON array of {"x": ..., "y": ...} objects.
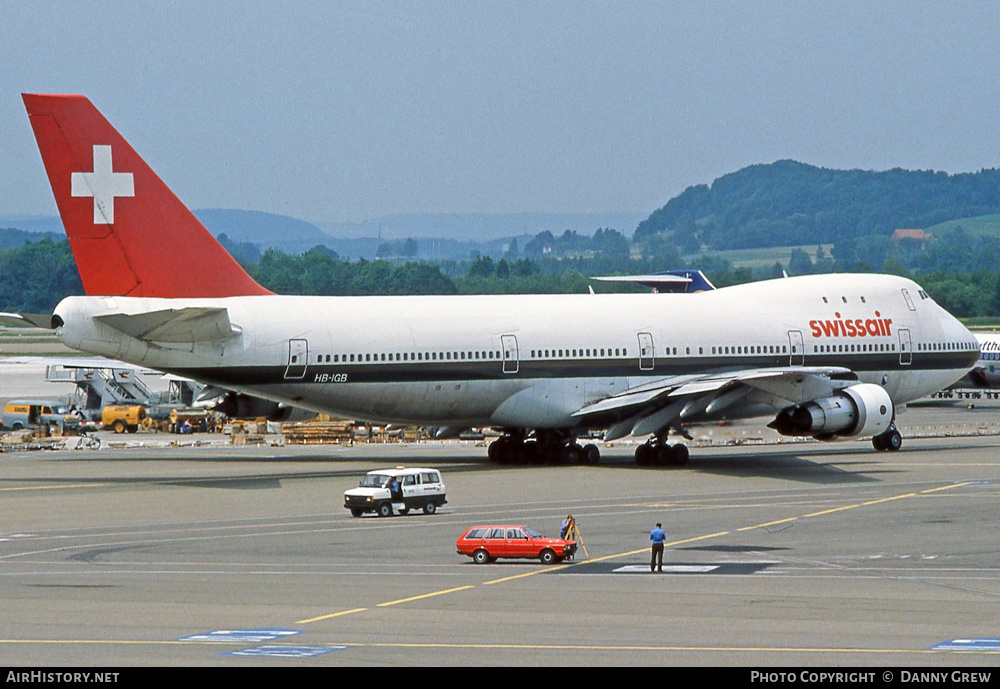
[{"x": 129, "y": 234}]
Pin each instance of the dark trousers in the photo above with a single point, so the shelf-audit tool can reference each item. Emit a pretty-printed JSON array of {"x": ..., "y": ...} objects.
[{"x": 656, "y": 557}]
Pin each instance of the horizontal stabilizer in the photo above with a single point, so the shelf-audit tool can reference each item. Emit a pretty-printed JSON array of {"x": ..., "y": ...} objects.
[
  {"x": 673, "y": 281},
  {"x": 188, "y": 324},
  {"x": 36, "y": 320}
]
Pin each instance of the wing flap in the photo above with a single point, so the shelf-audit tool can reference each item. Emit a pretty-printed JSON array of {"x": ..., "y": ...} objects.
[{"x": 689, "y": 396}]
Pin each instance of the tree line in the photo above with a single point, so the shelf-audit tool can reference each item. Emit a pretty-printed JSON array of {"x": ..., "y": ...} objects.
[{"x": 959, "y": 270}]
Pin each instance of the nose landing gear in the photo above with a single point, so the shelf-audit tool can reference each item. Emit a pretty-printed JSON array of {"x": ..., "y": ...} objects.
[{"x": 889, "y": 441}]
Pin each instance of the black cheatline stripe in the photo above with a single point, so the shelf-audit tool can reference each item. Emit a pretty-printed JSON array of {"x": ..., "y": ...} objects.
[{"x": 423, "y": 372}]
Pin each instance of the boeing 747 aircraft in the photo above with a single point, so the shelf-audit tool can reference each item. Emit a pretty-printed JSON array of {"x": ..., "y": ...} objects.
[
  {"x": 986, "y": 372},
  {"x": 825, "y": 356}
]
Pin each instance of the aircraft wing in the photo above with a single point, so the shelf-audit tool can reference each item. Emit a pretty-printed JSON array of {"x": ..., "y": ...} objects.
[
  {"x": 188, "y": 324},
  {"x": 654, "y": 406}
]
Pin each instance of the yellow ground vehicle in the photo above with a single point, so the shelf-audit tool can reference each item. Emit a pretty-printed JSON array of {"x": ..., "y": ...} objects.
[{"x": 124, "y": 418}]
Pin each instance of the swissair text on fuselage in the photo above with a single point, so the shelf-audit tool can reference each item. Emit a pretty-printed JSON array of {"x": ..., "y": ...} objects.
[{"x": 856, "y": 327}]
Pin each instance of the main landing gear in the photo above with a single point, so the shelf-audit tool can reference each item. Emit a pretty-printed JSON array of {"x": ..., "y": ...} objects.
[
  {"x": 547, "y": 447},
  {"x": 890, "y": 441},
  {"x": 657, "y": 452}
]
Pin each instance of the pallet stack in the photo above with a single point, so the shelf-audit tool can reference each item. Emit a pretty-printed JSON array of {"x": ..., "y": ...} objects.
[{"x": 318, "y": 432}]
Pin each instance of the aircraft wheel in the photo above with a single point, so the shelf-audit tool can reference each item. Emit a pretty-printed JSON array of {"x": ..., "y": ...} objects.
[
  {"x": 591, "y": 454},
  {"x": 644, "y": 455},
  {"x": 679, "y": 455},
  {"x": 501, "y": 452},
  {"x": 571, "y": 454},
  {"x": 890, "y": 441},
  {"x": 893, "y": 440}
]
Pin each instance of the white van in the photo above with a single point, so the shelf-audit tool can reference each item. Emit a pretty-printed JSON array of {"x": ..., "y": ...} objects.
[{"x": 421, "y": 489}]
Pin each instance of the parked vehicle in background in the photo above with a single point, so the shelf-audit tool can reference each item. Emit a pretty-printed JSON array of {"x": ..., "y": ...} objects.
[
  {"x": 120, "y": 418},
  {"x": 420, "y": 489},
  {"x": 19, "y": 414},
  {"x": 486, "y": 543}
]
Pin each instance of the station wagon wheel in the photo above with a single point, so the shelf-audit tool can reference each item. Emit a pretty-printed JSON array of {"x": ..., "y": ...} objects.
[
  {"x": 430, "y": 508},
  {"x": 384, "y": 510},
  {"x": 481, "y": 557},
  {"x": 548, "y": 557}
]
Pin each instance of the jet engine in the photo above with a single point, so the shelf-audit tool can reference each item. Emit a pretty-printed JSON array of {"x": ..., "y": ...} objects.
[
  {"x": 236, "y": 405},
  {"x": 863, "y": 409}
]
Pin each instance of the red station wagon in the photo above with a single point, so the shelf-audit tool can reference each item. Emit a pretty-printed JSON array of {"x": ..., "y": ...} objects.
[{"x": 486, "y": 543}]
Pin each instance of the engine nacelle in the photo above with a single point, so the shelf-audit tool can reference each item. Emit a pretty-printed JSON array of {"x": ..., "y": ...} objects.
[
  {"x": 236, "y": 405},
  {"x": 863, "y": 409}
]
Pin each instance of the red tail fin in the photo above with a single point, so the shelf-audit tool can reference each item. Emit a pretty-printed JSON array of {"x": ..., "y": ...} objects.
[{"x": 129, "y": 234}]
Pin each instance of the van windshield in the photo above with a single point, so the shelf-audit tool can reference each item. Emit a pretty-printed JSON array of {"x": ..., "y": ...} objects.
[{"x": 374, "y": 480}]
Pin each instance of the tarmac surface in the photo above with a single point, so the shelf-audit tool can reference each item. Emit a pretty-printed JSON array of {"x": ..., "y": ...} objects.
[{"x": 793, "y": 554}]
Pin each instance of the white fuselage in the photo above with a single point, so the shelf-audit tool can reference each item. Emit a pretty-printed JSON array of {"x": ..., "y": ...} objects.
[{"x": 531, "y": 361}]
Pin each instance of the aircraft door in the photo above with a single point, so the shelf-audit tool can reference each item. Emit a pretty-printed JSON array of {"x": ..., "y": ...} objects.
[
  {"x": 905, "y": 347},
  {"x": 508, "y": 343},
  {"x": 645, "y": 352},
  {"x": 298, "y": 359},
  {"x": 796, "y": 348}
]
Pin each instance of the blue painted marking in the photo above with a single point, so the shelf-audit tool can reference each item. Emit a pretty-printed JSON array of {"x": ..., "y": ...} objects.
[
  {"x": 242, "y": 636},
  {"x": 988, "y": 644},
  {"x": 286, "y": 651}
]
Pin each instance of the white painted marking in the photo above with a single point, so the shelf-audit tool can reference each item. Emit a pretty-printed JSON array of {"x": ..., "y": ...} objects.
[
  {"x": 104, "y": 184},
  {"x": 672, "y": 569}
]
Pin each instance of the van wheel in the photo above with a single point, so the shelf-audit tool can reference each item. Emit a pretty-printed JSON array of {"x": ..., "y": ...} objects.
[
  {"x": 480, "y": 557},
  {"x": 355, "y": 512},
  {"x": 17, "y": 426},
  {"x": 118, "y": 426},
  {"x": 430, "y": 508},
  {"x": 548, "y": 557},
  {"x": 384, "y": 510},
  {"x": 404, "y": 510}
]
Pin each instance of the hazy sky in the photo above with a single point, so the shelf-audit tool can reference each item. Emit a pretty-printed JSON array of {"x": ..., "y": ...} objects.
[{"x": 332, "y": 111}]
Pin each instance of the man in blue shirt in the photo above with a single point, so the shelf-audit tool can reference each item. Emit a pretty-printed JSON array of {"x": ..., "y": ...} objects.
[
  {"x": 657, "y": 536},
  {"x": 564, "y": 529}
]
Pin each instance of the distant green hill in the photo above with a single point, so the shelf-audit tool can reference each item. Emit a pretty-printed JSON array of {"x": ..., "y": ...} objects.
[
  {"x": 789, "y": 203},
  {"x": 985, "y": 225},
  {"x": 10, "y": 237},
  {"x": 291, "y": 235}
]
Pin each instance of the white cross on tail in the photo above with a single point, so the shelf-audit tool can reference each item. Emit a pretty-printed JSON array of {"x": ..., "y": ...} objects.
[{"x": 104, "y": 185}]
